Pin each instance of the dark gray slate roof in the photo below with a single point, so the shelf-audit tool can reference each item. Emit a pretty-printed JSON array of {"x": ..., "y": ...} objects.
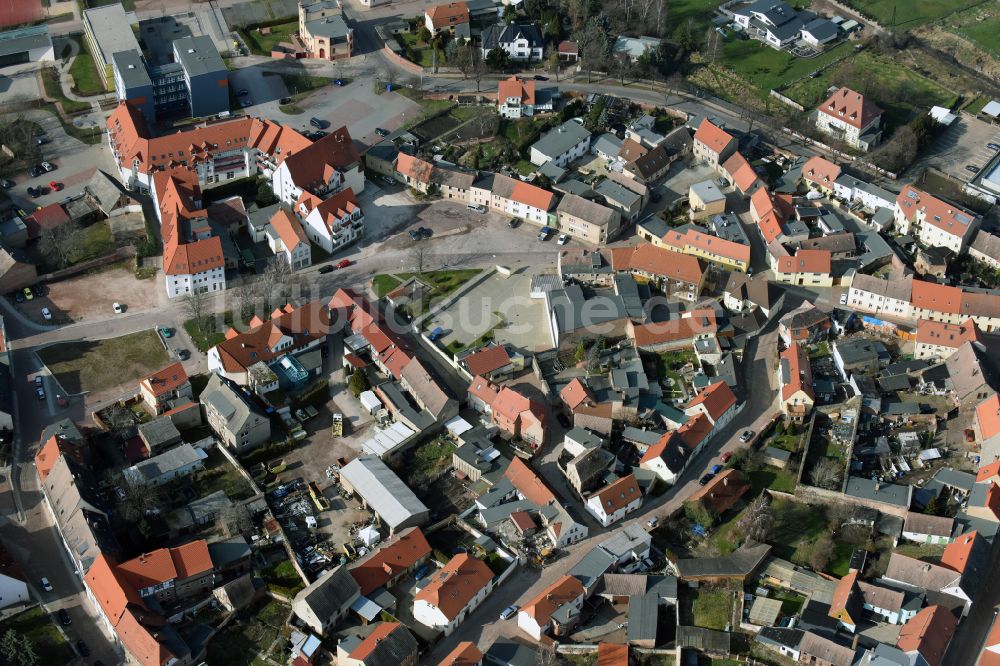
[
  {"x": 643, "y": 616},
  {"x": 495, "y": 35}
]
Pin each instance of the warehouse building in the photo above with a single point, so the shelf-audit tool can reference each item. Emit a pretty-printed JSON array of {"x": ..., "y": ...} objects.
[
  {"x": 384, "y": 493},
  {"x": 24, "y": 45}
]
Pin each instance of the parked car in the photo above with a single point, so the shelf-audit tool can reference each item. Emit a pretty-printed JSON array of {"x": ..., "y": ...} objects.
[
  {"x": 48, "y": 166},
  {"x": 415, "y": 235},
  {"x": 37, "y": 171},
  {"x": 118, "y": 308},
  {"x": 343, "y": 263},
  {"x": 82, "y": 648},
  {"x": 6, "y": 184},
  {"x": 39, "y": 380},
  {"x": 27, "y": 293},
  {"x": 425, "y": 232},
  {"x": 746, "y": 436},
  {"x": 34, "y": 192},
  {"x": 55, "y": 185},
  {"x": 285, "y": 100},
  {"x": 513, "y": 223},
  {"x": 726, "y": 456},
  {"x": 338, "y": 82},
  {"x": 181, "y": 354},
  {"x": 46, "y": 585},
  {"x": 326, "y": 269},
  {"x": 993, "y": 146},
  {"x": 40, "y": 393},
  {"x": 843, "y": 299},
  {"x": 652, "y": 522},
  {"x": 46, "y": 314},
  {"x": 18, "y": 297},
  {"x": 166, "y": 332},
  {"x": 318, "y": 123},
  {"x": 563, "y": 421},
  {"x": 722, "y": 182},
  {"x": 381, "y": 131},
  {"x": 563, "y": 239},
  {"x": 705, "y": 479},
  {"x": 388, "y": 180},
  {"x": 508, "y": 612},
  {"x": 544, "y": 234},
  {"x": 715, "y": 469},
  {"x": 539, "y": 77},
  {"x": 64, "y": 618},
  {"x": 971, "y": 169}
]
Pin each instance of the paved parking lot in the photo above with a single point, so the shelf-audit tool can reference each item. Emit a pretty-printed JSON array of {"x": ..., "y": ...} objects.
[
  {"x": 681, "y": 177},
  {"x": 962, "y": 145},
  {"x": 264, "y": 87}
]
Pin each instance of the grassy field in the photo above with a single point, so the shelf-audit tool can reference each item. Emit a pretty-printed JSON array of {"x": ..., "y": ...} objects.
[
  {"x": 912, "y": 13},
  {"x": 88, "y": 243},
  {"x": 768, "y": 69},
  {"x": 86, "y": 79},
  {"x": 895, "y": 87},
  {"x": 986, "y": 33},
  {"x": 263, "y": 44},
  {"x": 796, "y": 526},
  {"x": 920, "y": 551},
  {"x": 48, "y": 644},
  {"x": 425, "y": 463},
  {"x": 416, "y": 50},
  {"x": 50, "y": 79},
  {"x": 98, "y": 365},
  {"x": 710, "y": 607},
  {"x": 772, "y": 478},
  {"x": 383, "y": 284},
  {"x": 211, "y": 333},
  {"x": 242, "y": 642},
  {"x": 282, "y": 578},
  {"x": 699, "y": 11}
]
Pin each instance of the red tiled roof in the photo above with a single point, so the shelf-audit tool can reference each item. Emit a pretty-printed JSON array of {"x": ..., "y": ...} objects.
[
  {"x": 647, "y": 258},
  {"x": 715, "y": 138},
  {"x": 528, "y": 483},
  {"x": 722, "y": 492},
  {"x": 716, "y": 398},
  {"x": 165, "y": 380},
  {"x": 931, "y": 296},
  {"x": 465, "y": 654},
  {"x": 706, "y": 242},
  {"x": 946, "y": 335},
  {"x": 414, "y": 168},
  {"x": 568, "y": 47},
  {"x": 701, "y": 322},
  {"x": 956, "y": 554},
  {"x": 821, "y": 171},
  {"x": 450, "y": 589},
  {"x": 453, "y": 13},
  {"x": 851, "y": 107},
  {"x": 806, "y": 261},
  {"x": 45, "y": 218},
  {"x": 516, "y": 87},
  {"x": 289, "y": 229},
  {"x": 487, "y": 360},
  {"x": 483, "y": 389},
  {"x": 799, "y": 372},
  {"x": 842, "y": 593},
  {"x": 563, "y": 590},
  {"x": 314, "y": 164},
  {"x": 303, "y": 325},
  {"x": 947, "y": 217},
  {"x": 397, "y": 554},
  {"x": 618, "y": 494},
  {"x": 740, "y": 172},
  {"x": 993, "y": 469},
  {"x": 612, "y": 654},
  {"x": 575, "y": 393},
  {"x": 364, "y": 649},
  {"x": 928, "y": 632},
  {"x": 694, "y": 431}
]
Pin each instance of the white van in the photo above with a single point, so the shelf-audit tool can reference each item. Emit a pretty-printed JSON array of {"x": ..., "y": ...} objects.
[{"x": 477, "y": 207}]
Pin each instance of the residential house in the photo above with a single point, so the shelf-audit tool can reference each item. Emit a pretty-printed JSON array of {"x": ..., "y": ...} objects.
[
  {"x": 927, "y": 528},
  {"x": 985, "y": 247},
  {"x": 674, "y": 273},
  {"x": 859, "y": 355},
  {"x": 333, "y": 224},
  {"x": 712, "y": 144},
  {"x": 522, "y": 41},
  {"x": 936, "y": 222},
  {"x": 287, "y": 240},
  {"x": 569, "y": 51},
  {"x": 588, "y": 467},
  {"x": 172, "y": 464},
  {"x": 625, "y": 201},
  {"x": 465, "y": 654},
  {"x": 171, "y": 575},
  {"x": 237, "y": 422},
  {"x": 722, "y": 492},
  {"x": 938, "y": 340},
  {"x": 615, "y": 501},
  {"x": 325, "y": 602},
  {"x": 587, "y": 221},
  {"x": 987, "y": 428},
  {"x": 562, "y": 145},
  {"x": 716, "y": 402},
  {"x": 163, "y": 386},
  {"x": 448, "y": 16},
  {"x": 795, "y": 376},
  {"x": 492, "y": 362},
  {"x": 740, "y": 174},
  {"x": 926, "y": 636},
  {"x": 850, "y": 117},
  {"x": 516, "y": 98},
  {"x": 666, "y": 458},
  {"x": 650, "y": 166},
  {"x": 706, "y": 200},
  {"x": 428, "y": 391},
  {"x": 778, "y": 25},
  {"x": 805, "y": 268},
  {"x": 395, "y": 558},
  {"x": 391, "y": 643},
  {"x": 695, "y": 241},
  {"x": 520, "y": 417},
  {"x": 805, "y": 324},
  {"x": 323, "y": 31},
  {"x": 453, "y": 593},
  {"x": 556, "y": 608},
  {"x": 514, "y": 197},
  {"x": 820, "y": 174}
]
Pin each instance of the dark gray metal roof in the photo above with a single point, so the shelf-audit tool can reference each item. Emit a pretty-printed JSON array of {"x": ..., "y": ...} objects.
[
  {"x": 331, "y": 593},
  {"x": 643, "y": 617},
  {"x": 198, "y": 55},
  {"x": 24, "y": 39}
]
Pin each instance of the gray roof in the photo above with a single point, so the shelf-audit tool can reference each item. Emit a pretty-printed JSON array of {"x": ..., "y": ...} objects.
[
  {"x": 764, "y": 611},
  {"x": 132, "y": 69},
  {"x": 624, "y": 585},
  {"x": 384, "y": 150},
  {"x": 383, "y": 491},
  {"x": 224, "y": 553},
  {"x": 741, "y": 563},
  {"x": 706, "y": 640},
  {"x": 198, "y": 55},
  {"x": 821, "y": 28},
  {"x": 708, "y": 191},
  {"x": 655, "y": 226},
  {"x": 159, "y": 431},
  {"x": 593, "y": 566},
  {"x": 229, "y": 403},
  {"x": 612, "y": 191},
  {"x": 728, "y": 227},
  {"x": 575, "y": 186},
  {"x": 552, "y": 171},
  {"x": 574, "y": 311},
  {"x": 641, "y": 435},
  {"x": 776, "y": 453},
  {"x": 509, "y": 653},
  {"x": 608, "y": 143},
  {"x": 333, "y": 27},
  {"x": 588, "y": 211},
  {"x": 501, "y": 33},
  {"x": 643, "y": 617},
  {"x": 561, "y": 139},
  {"x": 584, "y": 437},
  {"x": 105, "y": 190},
  {"x": 887, "y": 493},
  {"x": 397, "y": 647},
  {"x": 166, "y": 463},
  {"x": 24, "y": 39},
  {"x": 624, "y": 541},
  {"x": 860, "y": 350},
  {"x": 330, "y": 594},
  {"x": 111, "y": 27},
  {"x": 920, "y": 523},
  {"x": 777, "y": 637},
  {"x": 956, "y": 479}
]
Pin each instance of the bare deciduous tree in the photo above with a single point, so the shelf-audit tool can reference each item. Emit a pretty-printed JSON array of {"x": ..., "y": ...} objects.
[
  {"x": 195, "y": 305},
  {"x": 821, "y": 553},
  {"x": 826, "y": 474},
  {"x": 59, "y": 244},
  {"x": 237, "y": 519},
  {"x": 419, "y": 256},
  {"x": 758, "y": 519}
]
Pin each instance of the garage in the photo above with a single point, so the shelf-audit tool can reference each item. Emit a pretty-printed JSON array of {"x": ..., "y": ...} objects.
[{"x": 23, "y": 45}]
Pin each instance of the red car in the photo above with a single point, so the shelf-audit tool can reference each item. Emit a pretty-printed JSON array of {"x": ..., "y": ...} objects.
[
  {"x": 726, "y": 456},
  {"x": 56, "y": 187},
  {"x": 343, "y": 263}
]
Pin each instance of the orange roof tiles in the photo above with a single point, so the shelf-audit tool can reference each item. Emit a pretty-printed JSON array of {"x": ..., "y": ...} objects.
[
  {"x": 365, "y": 648},
  {"x": 851, "y": 107},
  {"x": 289, "y": 229},
  {"x": 141, "y": 642},
  {"x": 799, "y": 372},
  {"x": 722, "y": 492},
  {"x": 612, "y": 654},
  {"x": 456, "y": 584},
  {"x": 694, "y": 431},
  {"x": 956, "y": 554},
  {"x": 928, "y": 632},
  {"x": 516, "y": 88},
  {"x": 314, "y": 164},
  {"x": 647, "y": 258},
  {"x": 397, "y": 554},
  {"x": 487, "y": 360},
  {"x": 713, "y": 137},
  {"x": 945, "y": 216},
  {"x": 532, "y": 195},
  {"x": 716, "y": 399},
  {"x": 528, "y": 483},
  {"x": 192, "y": 558},
  {"x": 740, "y": 172},
  {"x": 302, "y": 325},
  {"x": 453, "y": 13},
  {"x": 165, "y": 380},
  {"x": 48, "y": 454},
  {"x": 562, "y": 591},
  {"x": 938, "y": 333},
  {"x": 113, "y": 594},
  {"x": 414, "y": 168},
  {"x": 618, "y": 495},
  {"x": 675, "y": 330},
  {"x": 708, "y": 243},
  {"x": 165, "y": 564},
  {"x": 511, "y": 404},
  {"x": 806, "y": 261},
  {"x": 821, "y": 171},
  {"x": 986, "y": 472},
  {"x": 842, "y": 593},
  {"x": 575, "y": 393},
  {"x": 483, "y": 389},
  {"x": 465, "y": 654},
  {"x": 939, "y": 297}
]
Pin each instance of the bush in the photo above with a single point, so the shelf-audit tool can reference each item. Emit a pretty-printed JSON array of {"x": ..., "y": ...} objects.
[
  {"x": 269, "y": 452},
  {"x": 317, "y": 394},
  {"x": 358, "y": 383}
]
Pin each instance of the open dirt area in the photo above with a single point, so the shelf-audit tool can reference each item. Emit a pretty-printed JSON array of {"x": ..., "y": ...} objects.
[
  {"x": 94, "y": 366},
  {"x": 92, "y": 295}
]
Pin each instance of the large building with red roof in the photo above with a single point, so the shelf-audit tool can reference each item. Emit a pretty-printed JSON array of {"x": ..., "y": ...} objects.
[
  {"x": 452, "y": 593},
  {"x": 935, "y": 223},
  {"x": 850, "y": 117}
]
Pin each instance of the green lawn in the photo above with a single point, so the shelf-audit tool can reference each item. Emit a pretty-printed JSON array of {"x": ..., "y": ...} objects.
[
  {"x": 84, "y": 72},
  {"x": 911, "y": 13},
  {"x": 819, "y": 349},
  {"x": 700, "y": 11},
  {"x": 48, "y": 644},
  {"x": 383, "y": 284},
  {"x": 282, "y": 578},
  {"x": 416, "y": 50},
  {"x": 710, "y": 607},
  {"x": 781, "y": 480},
  {"x": 427, "y": 462},
  {"x": 796, "y": 526},
  {"x": 986, "y": 34},
  {"x": 210, "y": 333},
  {"x": 895, "y": 87},
  {"x": 50, "y": 79},
  {"x": 786, "y": 441},
  {"x": 263, "y": 44},
  {"x": 300, "y": 85},
  {"x": 240, "y": 642},
  {"x": 89, "y": 366},
  {"x": 525, "y": 167},
  {"x": 445, "y": 282},
  {"x": 430, "y": 107},
  {"x": 93, "y": 242},
  {"x": 219, "y": 474},
  {"x": 767, "y": 68}
]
